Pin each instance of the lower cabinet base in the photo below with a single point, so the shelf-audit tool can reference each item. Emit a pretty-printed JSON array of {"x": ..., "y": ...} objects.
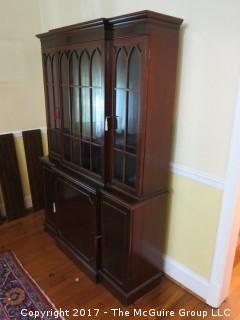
[
  {"x": 127, "y": 298},
  {"x": 113, "y": 238},
  {"x": 93, "y": 274},
  {"x": 50, "y": 229}
]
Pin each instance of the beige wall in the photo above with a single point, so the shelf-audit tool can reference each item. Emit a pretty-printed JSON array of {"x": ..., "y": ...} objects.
[
  {"x": 21, "y": 89},
  {"x": 209, "y": 67}
]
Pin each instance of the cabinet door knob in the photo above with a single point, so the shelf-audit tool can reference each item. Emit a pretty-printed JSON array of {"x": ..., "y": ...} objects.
[{"x": 54, "y": 207}]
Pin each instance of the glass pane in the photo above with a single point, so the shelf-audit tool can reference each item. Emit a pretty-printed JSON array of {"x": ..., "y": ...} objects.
[
  {"x": 76, "y": 152},
  {"x": 66, "y": 115},
  {"x": 121, "y": 70},
  {"x": 120, "y": 117},
  {"x": 96, "y": 159},
  {"x": 51, "y": 106},
  {"x": 86, "y": 112},
  {"x": 67, "y": 148},
  {"x": 49, "y": 70},
  {"x": 133, "y": 109},
  {"x": 75, "y": 111},
  {"x": 64, "y": 70},
  {"x": 96, "y": 69},
  {"x": 130, "y": 171},
  {"x": 85, "y": 155},
  {"x": 85, "y": 69},
  {"x": 118, "y": 165},
  {"x": 55, "y": 69},
  {"x": 134, "y": 69},
  {"x": 97, "y": 114},
  {"x": 74, "y": 69}
]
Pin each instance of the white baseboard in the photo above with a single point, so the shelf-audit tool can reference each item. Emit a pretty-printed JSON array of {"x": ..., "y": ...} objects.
[
  {"x": 178, "y": 272},
  {"x": 186, "y": 277}
]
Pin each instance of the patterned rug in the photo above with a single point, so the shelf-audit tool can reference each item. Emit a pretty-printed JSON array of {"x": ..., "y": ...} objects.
[{"x": 20, "y": 296}]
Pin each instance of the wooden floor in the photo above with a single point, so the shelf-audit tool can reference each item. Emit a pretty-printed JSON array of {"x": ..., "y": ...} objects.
[{"x": 57, "y": 275}]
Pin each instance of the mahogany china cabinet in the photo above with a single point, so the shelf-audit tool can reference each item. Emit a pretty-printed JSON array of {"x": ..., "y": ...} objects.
[{"x": 109, "y": 89}]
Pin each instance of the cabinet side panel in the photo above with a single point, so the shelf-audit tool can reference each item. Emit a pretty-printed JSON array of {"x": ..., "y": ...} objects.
[
  {"x": 115, "y": 234},
  {"x": 159, "y": 111},
  {"x": 147, "y": 240}
]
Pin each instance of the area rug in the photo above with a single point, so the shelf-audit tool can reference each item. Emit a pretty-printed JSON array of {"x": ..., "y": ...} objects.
[{"x": 20, "y": 296}]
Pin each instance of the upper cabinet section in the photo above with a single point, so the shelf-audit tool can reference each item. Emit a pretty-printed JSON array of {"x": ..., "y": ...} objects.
[{"x": 110, "y": 86}]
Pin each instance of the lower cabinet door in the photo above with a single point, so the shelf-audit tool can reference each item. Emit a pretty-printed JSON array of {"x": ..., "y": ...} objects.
[
  {"x": 115, "y": 241},
  {"x": 49, "y": 196},
  {"x": 76, "y": 218}
]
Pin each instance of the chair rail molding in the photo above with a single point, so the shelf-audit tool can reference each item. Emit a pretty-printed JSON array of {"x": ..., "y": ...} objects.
[{"x": 197, "y": 175}]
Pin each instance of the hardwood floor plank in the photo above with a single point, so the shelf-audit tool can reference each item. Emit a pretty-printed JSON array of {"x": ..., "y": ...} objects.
[{"x": 56, "y": 275}]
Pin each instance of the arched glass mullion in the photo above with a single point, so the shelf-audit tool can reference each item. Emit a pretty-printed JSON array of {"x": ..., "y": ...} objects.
[
  {"x": 85, "y": 107},
  {"x": 126, "y": 121},
  {"x": 74, "y": 76},
  {"x": 50, "y": 97},
  {"x": 134, "y": 82},
  {"x": 80, "y": 107},
  {"x": 97, "y": 110},
  {"x": 91, "y": 107},
  {"x": 74, "y": 93},
  {"x": 65, "y": 99},
  {"x": 54, "y": 99},
  {"x": 134, "y": 69},
  {"x": 48, "y": 69},
  {"x": 64, "y": 66},
  {"x": 120, "y": 112},
  {"x": 120, "y": 96},
  {"x": 55, "y": 90},
  {"x": 132, "y": 110},
  {"x": 74, "y": 107}
]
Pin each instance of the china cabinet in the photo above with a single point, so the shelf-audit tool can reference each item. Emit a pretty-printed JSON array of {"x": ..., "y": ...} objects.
[{"x": 109, "y": 91}]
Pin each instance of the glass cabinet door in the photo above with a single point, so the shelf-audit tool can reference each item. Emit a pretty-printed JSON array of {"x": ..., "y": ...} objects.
[
  {"x": 83, "y": 108},
  {"x": 126, "y": 111},
  {"x": 52, "y": 96}
]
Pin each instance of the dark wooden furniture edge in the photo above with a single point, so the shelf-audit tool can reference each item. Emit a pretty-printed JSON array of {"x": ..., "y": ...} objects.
[
  {"x": 129, "y": 298},
  {"x": 96, "y": 23}
]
